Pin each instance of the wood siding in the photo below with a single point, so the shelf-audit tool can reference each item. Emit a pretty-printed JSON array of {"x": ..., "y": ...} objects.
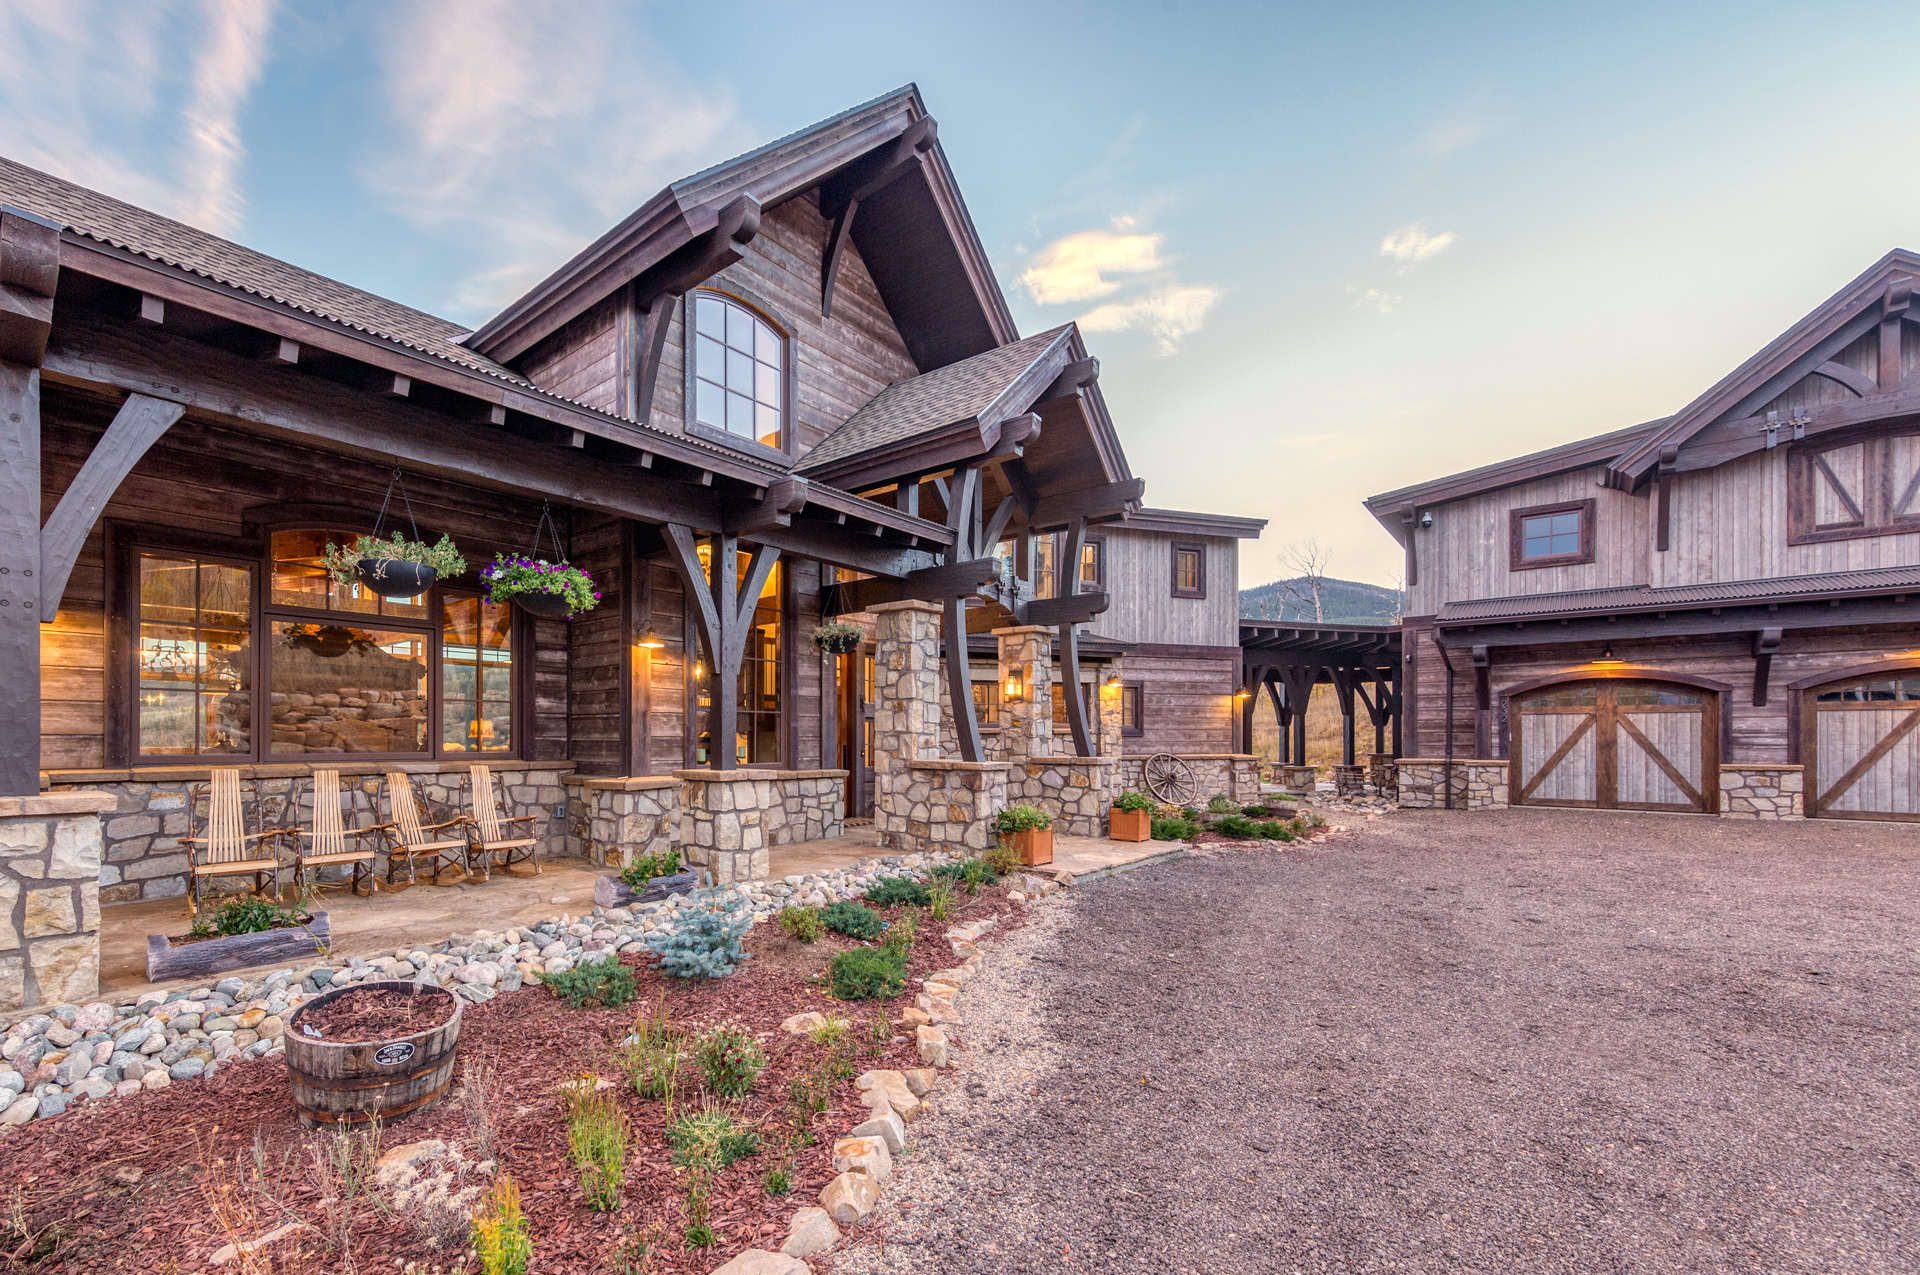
[
  {"x": 1139, "y": 574},
  {"x": 582, "y": 360},
  {"x": 1187, "y": 704},
  {"x": 1464, "y": 555},
  {"x": 598, "y": 650}
]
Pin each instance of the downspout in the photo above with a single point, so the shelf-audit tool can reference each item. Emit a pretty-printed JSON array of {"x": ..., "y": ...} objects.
[{"x": 1446, "y": 766}]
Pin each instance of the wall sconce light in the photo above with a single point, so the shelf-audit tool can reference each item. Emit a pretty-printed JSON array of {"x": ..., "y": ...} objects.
[
  {"x": 1243, "y": 694},
  {"x": 1112, "y": 679},
  {"x": 699, "y": 669},
  {"x": 1607, "y": 656},
  {"x": 1016, "y": 688},
  {"x": 649, "y": 641}
]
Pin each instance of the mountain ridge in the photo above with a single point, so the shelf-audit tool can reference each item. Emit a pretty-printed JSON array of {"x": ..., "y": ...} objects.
[{"x": 1341, "y": 602}]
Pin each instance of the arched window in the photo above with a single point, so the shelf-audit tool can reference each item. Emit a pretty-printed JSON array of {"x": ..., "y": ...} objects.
[{"x": 738, "y": 364}]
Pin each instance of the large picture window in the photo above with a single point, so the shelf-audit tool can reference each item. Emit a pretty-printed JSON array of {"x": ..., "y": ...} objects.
[
  {"x": 193, "y": 649},
  {"x": 737, "y": 369},
  {"x": 341, "y": 670}
]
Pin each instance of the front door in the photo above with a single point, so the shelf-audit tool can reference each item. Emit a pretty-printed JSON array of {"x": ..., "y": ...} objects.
[
  {"x": 855, "y": 672},
  {"x": 1864, "y": 748},
  {"x": 1614, "y": 745}
]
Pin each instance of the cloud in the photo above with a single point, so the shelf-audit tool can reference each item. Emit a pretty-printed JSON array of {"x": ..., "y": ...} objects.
[
  {"x": 143, "y": 102},
  {"x": 1168, "y": 314},
  {"x": 1411, "y": 244},
  {"x": 1373, "y": 298},
  {"x": 1451, "y": 135},
  {"x": 1075, "y": 268},
  {"x": 534, "y": 136}
]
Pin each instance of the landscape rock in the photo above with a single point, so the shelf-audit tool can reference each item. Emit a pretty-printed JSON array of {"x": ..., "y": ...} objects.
[
  {"x": 801, "y": 1024},
  {"x": 811, "y": 1231},
  {"x": 893, "y": 1086},
  {"x": 886, "y": 1126},
  {"x": 932, "y": 1043},
  {"x": 863, "y": 1155},
  {"x": 850, "y": 1197},
  {"x": 757, "y": 1261},
  {"x": 921, "y": 1080}
]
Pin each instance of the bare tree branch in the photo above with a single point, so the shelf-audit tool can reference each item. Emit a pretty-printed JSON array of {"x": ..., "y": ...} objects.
[{"x": 1306, "y": 561}]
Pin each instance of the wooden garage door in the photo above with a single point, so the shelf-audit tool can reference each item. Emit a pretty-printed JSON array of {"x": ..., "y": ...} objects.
[
  {"x": 1613, "y": 745},
  {"x": 1865, "y": 748}
]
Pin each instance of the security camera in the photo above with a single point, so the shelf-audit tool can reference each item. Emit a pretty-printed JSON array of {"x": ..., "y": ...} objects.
[{"x": 1426, "y": 520}]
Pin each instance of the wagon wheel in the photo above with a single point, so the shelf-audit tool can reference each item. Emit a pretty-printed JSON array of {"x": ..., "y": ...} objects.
[{"x": 1169, "y": 779}]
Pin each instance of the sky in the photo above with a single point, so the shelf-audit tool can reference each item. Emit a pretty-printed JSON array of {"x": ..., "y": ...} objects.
[{"x": 1322, "y": 251}]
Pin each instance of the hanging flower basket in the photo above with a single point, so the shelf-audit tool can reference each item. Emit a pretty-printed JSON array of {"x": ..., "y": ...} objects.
[
  {"x": 550, "y": 590},
  {"x": 328, "y": 641},
  {"x": 396, "y": 568},
  {"x": 837, "y": 637}
]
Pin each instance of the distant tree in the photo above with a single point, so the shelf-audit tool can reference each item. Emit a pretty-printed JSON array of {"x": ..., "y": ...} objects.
[{"x": 1307, "y": 561}]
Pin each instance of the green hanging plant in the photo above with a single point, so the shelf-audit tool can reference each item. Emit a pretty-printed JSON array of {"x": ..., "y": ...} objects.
[{"x": 837, "y": 637}]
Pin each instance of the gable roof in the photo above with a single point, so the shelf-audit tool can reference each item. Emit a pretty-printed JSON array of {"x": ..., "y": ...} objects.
[
  {"x": 121, "y": 225},
  {"x": 982, "y": 391},
  {"x": 1820, "y": 334},
  {"x": 919, "y": 218}
]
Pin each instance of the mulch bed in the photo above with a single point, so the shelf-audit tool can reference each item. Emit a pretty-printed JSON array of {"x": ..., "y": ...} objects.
[
  {"x": 372, "y": 1013},
  {"x": 125, "y": 1185}
]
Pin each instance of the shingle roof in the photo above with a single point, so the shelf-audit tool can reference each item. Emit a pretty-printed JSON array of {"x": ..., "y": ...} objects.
[
  {"x": 922, "y": 404},
  {"x": 148, "y": 234},
  {"x": 1640, "y": 597}
]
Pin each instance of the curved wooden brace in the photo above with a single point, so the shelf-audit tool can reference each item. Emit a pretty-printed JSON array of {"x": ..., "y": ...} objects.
[
  {"x": 136, "y": 427},
  {"x": 1848, "y": 378},
  {"x": 1067, "y": 577}
]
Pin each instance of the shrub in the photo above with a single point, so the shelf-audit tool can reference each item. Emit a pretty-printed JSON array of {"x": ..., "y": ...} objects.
[
  {"x": 890, "y": 892},
  {"x": 1133, "y": 801},
  {"x": 1256, "y": 812},
  {"x": 245, "y": 916},
  {"x": 852, "y": 920},
  {"x": 1239, "y": 827},
  {"x": 1003, "y": 858},
  {"x": 608, "y": 984},
  {"x": 864, "y": 974},
  {"x": 597, "y": 1136},
  {"x": 707, "y": 944},
  {"x": 940, "y": 900},
  {"x": 650, "y": 1055},
  {"x": 710, "y": 1140},
  {"x": 1022, "y": 818},
  {"x": 646, "y": 867},
  {"x": 1221, "y": 804},
  {"x": 1174, "y": 828},
  {"x": 1274, "y": 830},
  {"x": 802, "y": 923},
  {"x": 501, "y": 1235},
  {"x": 899, "y": 940},
  {"x": 972, "y": 873},
  {"x": 730, "y": 1060}
]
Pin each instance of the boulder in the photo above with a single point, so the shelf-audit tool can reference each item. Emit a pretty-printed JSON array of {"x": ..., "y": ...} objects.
[
  {"x": 850, "y": 1197},
  {"x": 932, "y": 1043},
  {"x": 894, "y": 1086},
  {"x": 921, "y": 1080},
  {"x": 887, "y": 1127},
  {"x": 757, "y": 1261},
  {"x": 801, "y": 1024},
  {"x": 811, "y": 1231},
  {"x": 863, "y": 1155}
]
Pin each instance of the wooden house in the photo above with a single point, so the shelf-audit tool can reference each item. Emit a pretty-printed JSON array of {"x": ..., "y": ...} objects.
[
  {"x": 784, "y": 389},
  {"x": 1717, "y": 611}
]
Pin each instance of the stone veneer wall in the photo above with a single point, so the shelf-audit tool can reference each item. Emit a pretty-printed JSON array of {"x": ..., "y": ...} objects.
[
  {"x": 143, "y": 857},
  {"x": 1077, "y": 791},
  {"x": 50, "y": 898},
  {"x": 615, "y": 820},
  {"x": 731, "y": 819},
  {"x": 949, "y": 805},
  {"x": 1478, "y": 784},
  {"x": 1235, "y": 775},
  {"x": 1750, "y": 790}
]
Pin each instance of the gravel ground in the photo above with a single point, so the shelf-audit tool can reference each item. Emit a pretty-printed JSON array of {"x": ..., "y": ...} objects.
[{"x": 1521, "y": 1041}]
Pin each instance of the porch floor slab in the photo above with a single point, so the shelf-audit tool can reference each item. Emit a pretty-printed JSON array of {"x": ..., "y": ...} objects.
[{"x": 1090, "y": 858}]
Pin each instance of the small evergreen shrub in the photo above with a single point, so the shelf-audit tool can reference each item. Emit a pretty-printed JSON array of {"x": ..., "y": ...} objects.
[
  {"x": 730, "y": 1060},
  {"x": 1221, "y": 804},
  {"x": 972, "y": 873},
  {"x": 852, "y": 920},
  {"x": 707, "y": 944},
  {"x": 607, "y": 984},
  {"x": 1133, "y": 801},
  {"x": 862, "y": 973},
  {"x": 1003, "y": 858},
  {"x": 890, "y": 892},
  {"x": 1174, "y": 828},
  {"x": 1256, "y": 812},
  {"x": 802, "y": 923},
  {"x": 1239, "y": 827}
]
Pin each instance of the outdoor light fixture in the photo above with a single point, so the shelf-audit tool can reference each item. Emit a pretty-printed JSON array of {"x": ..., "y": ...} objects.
[
  {"x": 1113, "y": 679},
  {"x": 1607, "y": 657},
  {"x": 649, "y": 641},
  {"x": 1243, "y": 693},
  {"x": 1016, "y": 688}
]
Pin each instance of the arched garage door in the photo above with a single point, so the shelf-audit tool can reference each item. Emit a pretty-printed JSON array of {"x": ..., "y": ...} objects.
[
  {"x": 1614, "y": 744},
  {"x": 1863, "y": 747}
]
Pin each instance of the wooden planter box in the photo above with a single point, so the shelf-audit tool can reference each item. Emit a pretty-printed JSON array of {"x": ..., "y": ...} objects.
[
  {"x": 610, "y": 891},
  {"x": 1130, "y": 825},
  {"x": 1034, "y": 846},
  {"x": 167, "y": 959},
  {"x": 348, "y": 1083}
]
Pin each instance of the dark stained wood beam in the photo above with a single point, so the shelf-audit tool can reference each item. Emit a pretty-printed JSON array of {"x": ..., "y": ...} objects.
[
  {"x": 29, "y": 272},
  {"x": 93, "y": 352},
  {"x": 1858, "y": 382},
  {"x": 1663, "y": 513},
  {"x": 932, "y": 584},
  {"x": 953, "y": 643},
  {"x": 656, "y": 292},
  {"x": 1766, "y": 645},
  {"x": 781, "y": 500},
  {"x": 135, "y": 428},
  {"x": 840, "y": 197},
  {"x": 1057, "y": 511},
  {"x": 1898, "y": 298},
  {"x": 1077, "y": 608},
  {"x": 279, "y": 350},
  {"x": 1071, "y": 383}
]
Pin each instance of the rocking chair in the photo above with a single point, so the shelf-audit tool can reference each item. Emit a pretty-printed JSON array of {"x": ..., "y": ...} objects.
[
  {"x": 327, "y": 836},
  {"x": 409, "y": 840},
  {"x": 224, "y": 847},
  {"x": 488, "y": 831}
]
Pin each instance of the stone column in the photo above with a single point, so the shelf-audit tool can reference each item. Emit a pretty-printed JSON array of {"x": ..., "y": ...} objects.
[
  {"x": 1026, "y": 724},
  {"x": 906, "y": 713},
  {"x": 50, "y": 898}
]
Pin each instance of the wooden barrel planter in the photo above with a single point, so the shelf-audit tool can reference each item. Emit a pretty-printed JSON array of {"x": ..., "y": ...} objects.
[{"x": 352, "y": 1082}]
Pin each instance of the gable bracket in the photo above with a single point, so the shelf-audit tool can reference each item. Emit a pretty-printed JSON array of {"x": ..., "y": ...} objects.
[
  {"x": 840, "y": 199},
  {"x": 654, "y": 294}
]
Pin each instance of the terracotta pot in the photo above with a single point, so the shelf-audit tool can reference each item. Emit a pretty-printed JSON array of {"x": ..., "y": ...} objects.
[
  {"x": 1130, "y": 825},
  {"x": 1034, "y": 846}
]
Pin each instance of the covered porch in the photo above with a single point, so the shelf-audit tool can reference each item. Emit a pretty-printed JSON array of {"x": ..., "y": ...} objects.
[{"x": 1283, "y": 662}]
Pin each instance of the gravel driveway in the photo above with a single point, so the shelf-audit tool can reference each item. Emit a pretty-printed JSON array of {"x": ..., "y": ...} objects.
[{"x": 1522, "y": 1041}]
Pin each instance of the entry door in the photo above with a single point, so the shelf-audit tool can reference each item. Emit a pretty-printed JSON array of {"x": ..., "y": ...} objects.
[
  {"x": 856, "y": 676},
  {"x": 1865, "y": 748},
  {"x": 1614, "y": 745}
]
